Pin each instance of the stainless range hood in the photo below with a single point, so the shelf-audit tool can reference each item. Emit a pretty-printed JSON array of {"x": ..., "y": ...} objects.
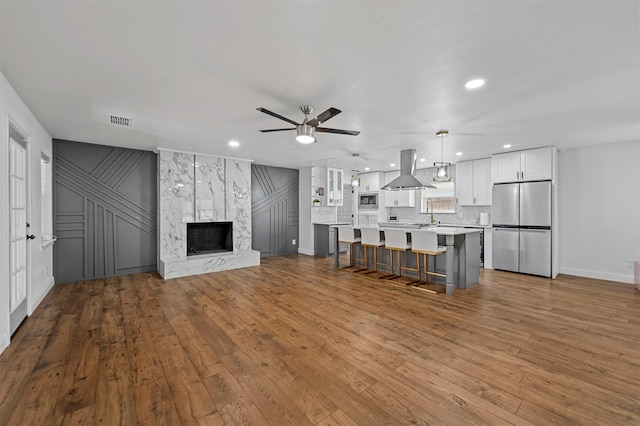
[{"x": 407, "y": 180}]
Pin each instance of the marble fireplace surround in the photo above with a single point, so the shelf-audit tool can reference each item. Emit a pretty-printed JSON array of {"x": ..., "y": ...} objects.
[{"x": 199, "y": 188}]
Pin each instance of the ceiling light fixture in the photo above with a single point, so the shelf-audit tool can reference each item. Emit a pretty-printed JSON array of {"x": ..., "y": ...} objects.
[
  {"x": 305, "y": 133},
  {"x": 234, "y": 144},
  {"x": 367, "y": 168},
  {"x": 474, "y": 84},
  {"x": 507, "y": 146},
  {"x": 458, "y": 153},
  {"x": 392, "y": 165},
  {"x": 355, "y": 178},
  {"x": 443, "y": 173},
  {"x": 422, "y": 160}
]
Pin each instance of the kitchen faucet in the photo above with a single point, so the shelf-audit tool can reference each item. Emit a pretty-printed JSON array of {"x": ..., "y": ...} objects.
[{"x": 433, "y": 220}]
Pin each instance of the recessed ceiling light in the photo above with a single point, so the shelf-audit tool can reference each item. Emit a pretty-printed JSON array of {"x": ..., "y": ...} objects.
[
  {"x": 474, "y": 84},
  {"x": 422, "y": 160},
  {"x": 458, "y": 153},
  {"x": 234, "y": 144},
  {"x": 506, "y": 146},
  {"x": 392, "y": 164},
  {"x": 367, "y": 168}
]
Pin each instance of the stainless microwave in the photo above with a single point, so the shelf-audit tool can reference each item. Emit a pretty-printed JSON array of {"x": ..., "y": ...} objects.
[{"x": 368, "y": 200}]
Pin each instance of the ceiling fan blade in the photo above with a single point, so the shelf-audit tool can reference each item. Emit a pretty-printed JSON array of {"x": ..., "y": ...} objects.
[
  {"x": 339, "y": 131},
  {"x": 273, "y": 114},
  {"x": 276, "y": 130},
  {"x": 331, "y": 112}
]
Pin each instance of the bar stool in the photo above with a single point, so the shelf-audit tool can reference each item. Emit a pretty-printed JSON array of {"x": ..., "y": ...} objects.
[
  {"x": 347, "y": 235},
  {"x": 396, "y": 241},
  {"x": 370, "y": 237},
  {"x": 425, "y": 242}
]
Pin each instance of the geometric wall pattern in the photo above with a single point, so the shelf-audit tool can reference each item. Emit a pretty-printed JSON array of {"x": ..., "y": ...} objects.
[
  {"x": 104, "y": 211},
  {"x": 274, "y": 210}
]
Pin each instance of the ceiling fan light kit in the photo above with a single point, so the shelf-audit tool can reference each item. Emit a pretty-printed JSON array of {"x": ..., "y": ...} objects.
[
  {"x": 305, "y": 131},
  {"x": 305, "y": 134}
]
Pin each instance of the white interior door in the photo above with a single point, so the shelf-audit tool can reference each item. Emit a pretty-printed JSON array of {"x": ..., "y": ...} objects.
[
  {"x": 345, "y": 211},
  {"x": 18, "y": 231}
]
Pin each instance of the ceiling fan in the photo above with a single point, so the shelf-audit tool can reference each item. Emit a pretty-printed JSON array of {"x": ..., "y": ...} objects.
[{"x": 306, "y": 129}]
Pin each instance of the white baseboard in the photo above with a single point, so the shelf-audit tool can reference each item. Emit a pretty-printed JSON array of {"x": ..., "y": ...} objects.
[
  {"x": 4, "y": 341},
  {"x": 306, "y": 251},
  {"x": 39, "y": 298},
  {"x": 609, "y": 276}
]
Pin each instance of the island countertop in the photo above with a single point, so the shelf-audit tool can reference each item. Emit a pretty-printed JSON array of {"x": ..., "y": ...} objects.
[
  {"x": 446, "y": 230},
  {"x": 440, "y": 230}
]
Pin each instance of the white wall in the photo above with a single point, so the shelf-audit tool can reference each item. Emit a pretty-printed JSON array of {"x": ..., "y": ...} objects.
[
  {"x": 599, "y": 204},
  {"x": 305, "y": 228},
  {"x": 41, "y": 260}
]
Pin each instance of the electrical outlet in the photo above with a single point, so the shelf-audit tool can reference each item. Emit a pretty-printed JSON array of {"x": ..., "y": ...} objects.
[
  {"x": 294, "y": 241},
  {"x": 630, "y": 264}
]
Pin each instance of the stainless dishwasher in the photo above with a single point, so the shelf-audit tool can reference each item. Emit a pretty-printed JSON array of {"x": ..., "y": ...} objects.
[{"x": 481, "y": 243}]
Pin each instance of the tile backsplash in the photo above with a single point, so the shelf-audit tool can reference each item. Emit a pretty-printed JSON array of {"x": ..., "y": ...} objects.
[{"x": 464, "y": 215}]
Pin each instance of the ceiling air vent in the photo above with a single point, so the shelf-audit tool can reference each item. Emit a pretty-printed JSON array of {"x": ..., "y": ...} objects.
[{"x": 118, "y": 120}]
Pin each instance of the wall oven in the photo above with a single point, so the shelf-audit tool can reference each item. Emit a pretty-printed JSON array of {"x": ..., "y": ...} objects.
[{"x": 368, "y": 200}]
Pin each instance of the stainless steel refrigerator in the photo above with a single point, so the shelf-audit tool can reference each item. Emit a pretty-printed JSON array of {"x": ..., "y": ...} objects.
[{"x": 521, "y": 218}]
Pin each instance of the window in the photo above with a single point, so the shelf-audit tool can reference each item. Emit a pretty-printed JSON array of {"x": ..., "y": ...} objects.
[
  {"x": 46, "y": 200},
  {"x": 443, "y": 198}
]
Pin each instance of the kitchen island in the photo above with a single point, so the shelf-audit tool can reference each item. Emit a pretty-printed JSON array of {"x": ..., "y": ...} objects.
[
  {"x": 462, "y": 264},
  {"x": 323, "y": 235}
]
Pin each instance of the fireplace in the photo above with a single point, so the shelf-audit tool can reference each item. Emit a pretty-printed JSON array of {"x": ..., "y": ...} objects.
[{"x": 209, "y": 237}]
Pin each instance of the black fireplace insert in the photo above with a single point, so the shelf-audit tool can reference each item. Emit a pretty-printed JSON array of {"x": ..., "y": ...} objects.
[{"x": 209, "y": 237}]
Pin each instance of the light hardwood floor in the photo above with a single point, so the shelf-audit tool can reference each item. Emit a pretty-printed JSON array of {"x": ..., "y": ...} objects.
[{"x": 294, "y": 341}]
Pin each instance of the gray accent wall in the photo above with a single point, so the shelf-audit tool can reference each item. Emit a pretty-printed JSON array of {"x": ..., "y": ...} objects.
[
  {"x": 274, "y": 207},
  {"x": 104, "y": 211}
]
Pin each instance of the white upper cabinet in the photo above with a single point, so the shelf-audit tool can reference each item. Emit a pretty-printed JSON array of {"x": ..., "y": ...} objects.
[
  {"x": 326, "y": 186},
  {"x": 464, "y": 182},
  {"x": 482, "y": 182},
  {"x": 371, "y": 182},
  {"x": 334, "y": 186},
  {"x": 533, "y": 164},
  {"x": 473, "y": 181},
  {"x": 406, "y": 198},
  {"x": 505, "y": 167},
  {"x": 537, "y": 164}
]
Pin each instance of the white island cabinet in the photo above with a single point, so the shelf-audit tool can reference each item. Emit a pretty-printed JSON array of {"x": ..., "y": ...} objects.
[{"x": 529, "y": 165}]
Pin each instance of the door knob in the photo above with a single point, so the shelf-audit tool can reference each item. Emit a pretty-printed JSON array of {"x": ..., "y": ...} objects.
[{"x": 31, "y": 237}]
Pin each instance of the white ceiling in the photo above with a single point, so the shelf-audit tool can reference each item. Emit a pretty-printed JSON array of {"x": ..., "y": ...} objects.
[{"x": 191, "y": 75}]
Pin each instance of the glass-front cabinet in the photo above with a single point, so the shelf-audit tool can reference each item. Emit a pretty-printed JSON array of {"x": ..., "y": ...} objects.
[
  {"x": 334, "y": 186},
  {"x": 326, "y": 187}
]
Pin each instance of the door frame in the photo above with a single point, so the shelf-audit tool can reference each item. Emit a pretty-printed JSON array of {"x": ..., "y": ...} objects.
[{"x": 15, "y": 129}]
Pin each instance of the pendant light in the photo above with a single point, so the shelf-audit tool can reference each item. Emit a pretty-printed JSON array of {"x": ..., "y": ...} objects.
[
  {"x": 355, "y": 177},
  {"x": 443, "y": 170}
]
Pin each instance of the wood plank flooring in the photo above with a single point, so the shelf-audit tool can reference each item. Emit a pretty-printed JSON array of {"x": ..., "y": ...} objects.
[{"x": 295, "y": 342}]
